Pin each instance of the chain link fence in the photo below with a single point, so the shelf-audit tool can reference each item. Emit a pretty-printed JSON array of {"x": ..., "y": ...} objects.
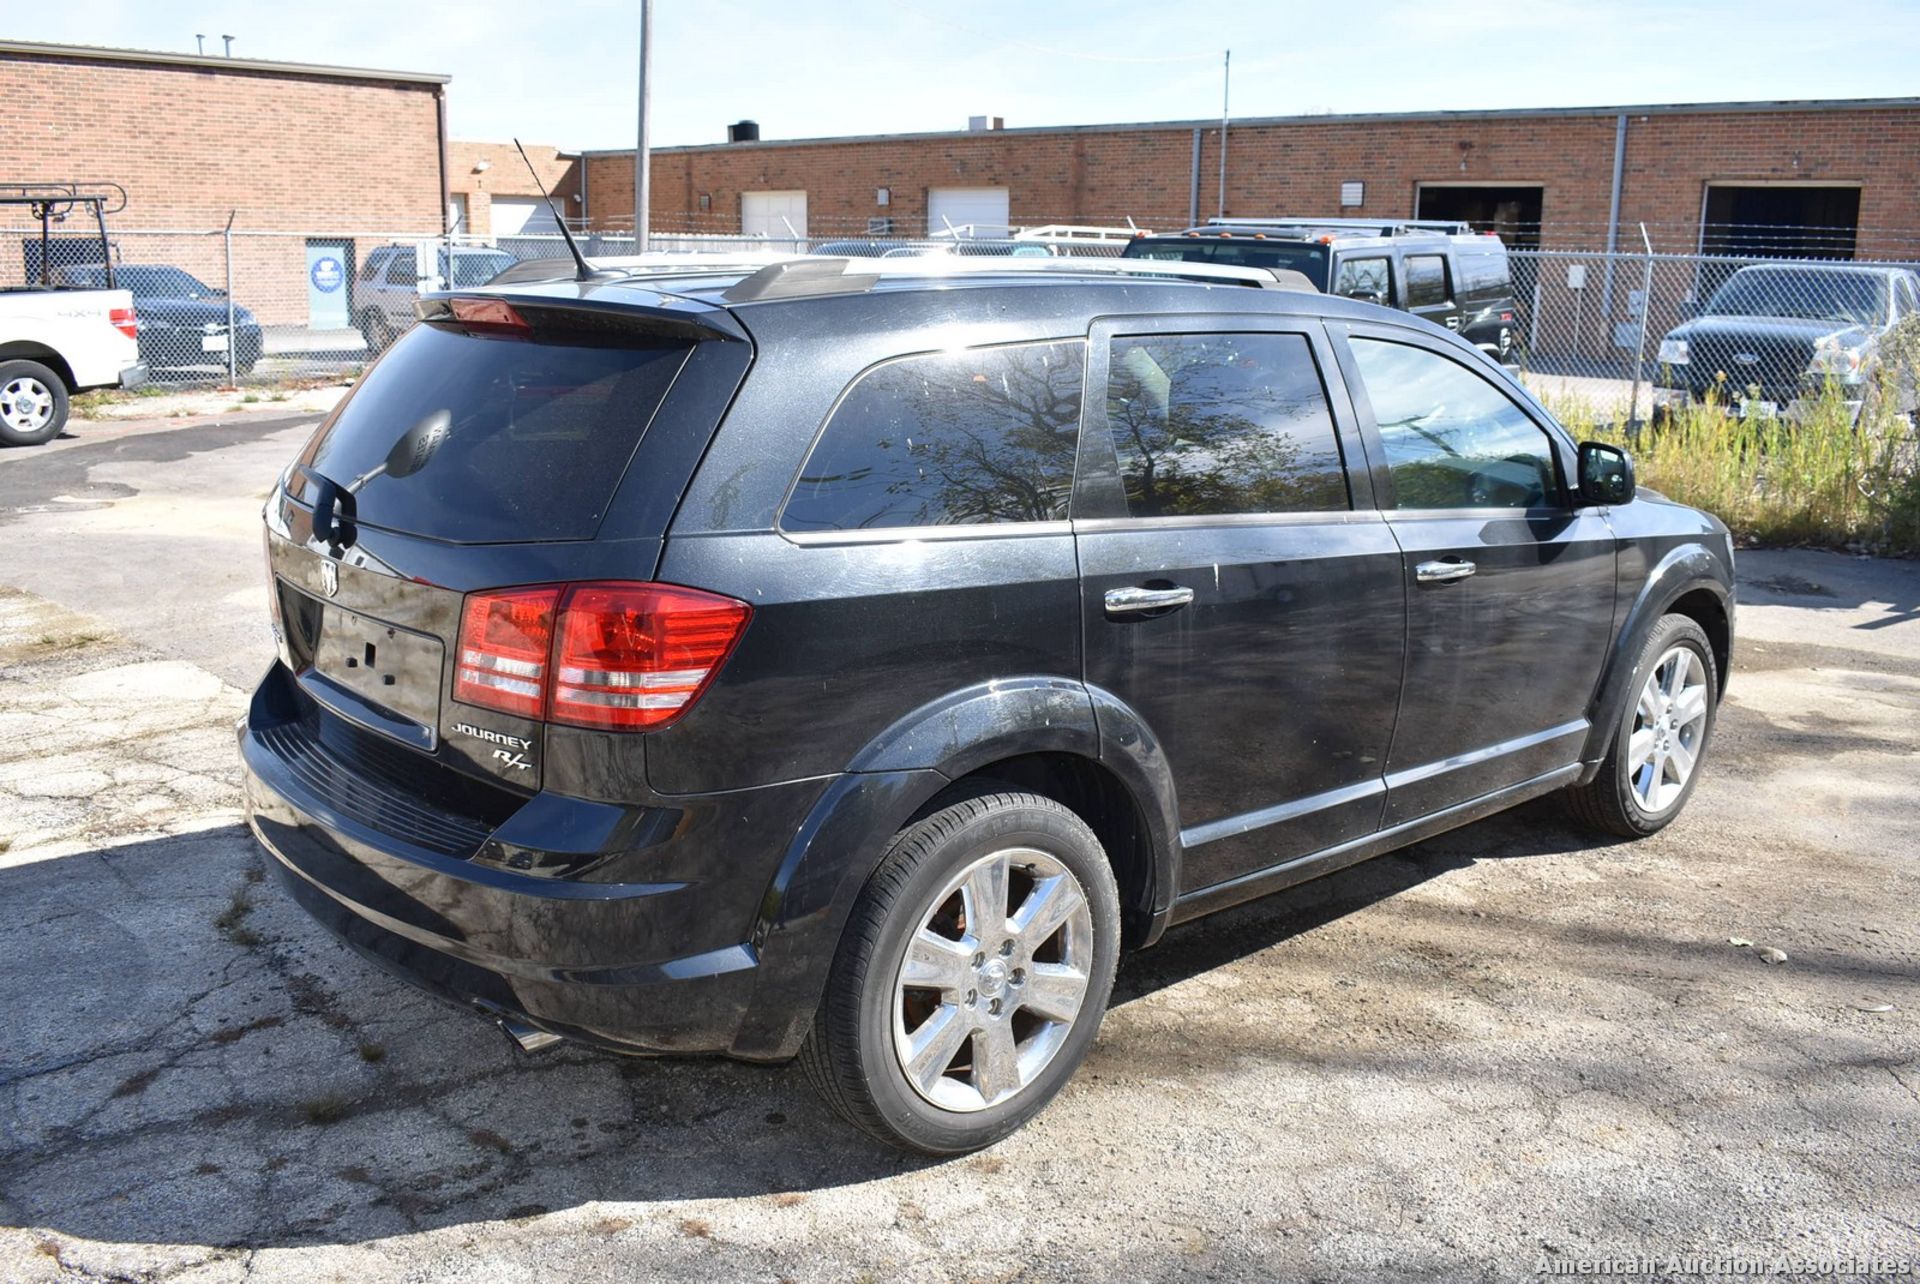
[
  {"x": 223, "y": 306},
  {"x": 1626, "y": 336}
]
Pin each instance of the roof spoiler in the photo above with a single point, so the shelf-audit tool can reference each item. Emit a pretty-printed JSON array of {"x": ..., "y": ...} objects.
[{"x": 630, "y": 313}]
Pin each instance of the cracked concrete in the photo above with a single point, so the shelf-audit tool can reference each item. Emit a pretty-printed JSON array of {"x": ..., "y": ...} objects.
[{"x": 1509, "y": 1045}]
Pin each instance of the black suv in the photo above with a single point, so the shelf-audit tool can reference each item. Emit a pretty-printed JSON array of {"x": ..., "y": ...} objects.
[
  {"x": 851, "y": 659},
  {"x": 1442, "y": 271}
]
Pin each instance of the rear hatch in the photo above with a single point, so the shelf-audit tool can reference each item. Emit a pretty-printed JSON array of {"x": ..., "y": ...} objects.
[{"x": 529, "y": 438}]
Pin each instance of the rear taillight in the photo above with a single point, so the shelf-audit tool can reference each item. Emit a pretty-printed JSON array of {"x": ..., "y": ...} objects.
[
  {"x": 609, "y": 655},
  {"x": 505, "y": 637},
  {"x": 124, "y": 321}
]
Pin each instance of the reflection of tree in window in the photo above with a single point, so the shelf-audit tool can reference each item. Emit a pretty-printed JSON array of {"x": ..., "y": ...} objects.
[
  {"x": 1222, "y": 424},
  {"x": 1452, "y": 440},
  {"x": 982, "y": 436}
]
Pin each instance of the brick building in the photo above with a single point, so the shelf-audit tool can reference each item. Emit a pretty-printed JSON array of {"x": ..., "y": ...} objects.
[
  {"x": 312, "y": 163},
  {"x": 492, "y": 194},
  {"x": 1717, "y": 176}
]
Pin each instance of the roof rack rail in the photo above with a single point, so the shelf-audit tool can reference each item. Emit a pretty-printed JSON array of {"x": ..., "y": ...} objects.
[
  {"x": 111, "y": 198},
  {"x": 821, "y": 275},
  {"x": 1378, "y": 226}
]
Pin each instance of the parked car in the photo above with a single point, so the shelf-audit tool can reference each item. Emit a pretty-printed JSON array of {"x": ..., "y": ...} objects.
[
  {"x": 58, "y": 338},
  {"x": 801, "y": 663},
  {"x": 388, "y": 285},
  {"x": 183, "y": 320},
  {"x": 1775, "y": 333},
  {"x": 877, "y": 250},
  {"x": 1440, "y": 271}
]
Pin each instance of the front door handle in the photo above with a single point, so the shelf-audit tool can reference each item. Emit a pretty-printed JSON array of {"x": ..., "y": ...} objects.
[
  {"x": 1443, "y": 572},
  {"x": 1129, "y": 601}
]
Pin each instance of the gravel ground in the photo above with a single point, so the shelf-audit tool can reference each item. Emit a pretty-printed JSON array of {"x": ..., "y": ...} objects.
[{"x": 1493, "y": 1056}]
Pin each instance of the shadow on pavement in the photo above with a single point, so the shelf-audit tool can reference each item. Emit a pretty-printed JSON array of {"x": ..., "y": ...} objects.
[{"x": 195, "y": 1062}]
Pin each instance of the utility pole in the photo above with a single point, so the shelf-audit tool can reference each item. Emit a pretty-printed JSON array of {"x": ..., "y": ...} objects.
[
  {"x": 1226, "y": 86},
  {"x": 642, "y": 152}
]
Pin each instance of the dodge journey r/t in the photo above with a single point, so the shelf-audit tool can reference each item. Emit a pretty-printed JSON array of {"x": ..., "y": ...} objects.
[{"x": 848, "y": 660}]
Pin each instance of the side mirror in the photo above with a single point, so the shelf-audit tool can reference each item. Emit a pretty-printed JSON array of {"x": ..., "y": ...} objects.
[
  {"x": 1689, "y": 308},
  {"x": 1606, "y": 473}
]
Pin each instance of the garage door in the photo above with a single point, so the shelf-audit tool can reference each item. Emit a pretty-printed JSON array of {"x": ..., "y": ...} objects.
[
  {"x": 982, "y": 208},
  {"x": 775, "y": 214},
  {"x": 522, "y": 216}
]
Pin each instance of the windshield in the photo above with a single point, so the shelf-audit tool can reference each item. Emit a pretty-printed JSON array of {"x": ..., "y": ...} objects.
[
  {"x": 1859, "y": 298},
  {"x": 477, "y": 269},
  {"x": 1305, "y": 257}
]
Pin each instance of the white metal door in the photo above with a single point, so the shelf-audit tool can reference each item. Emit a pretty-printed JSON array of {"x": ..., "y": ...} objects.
[
  {"x": 773, "y": 214},
  {"x": 984, "y": 209},
  {"x": 522, "y": 216}
]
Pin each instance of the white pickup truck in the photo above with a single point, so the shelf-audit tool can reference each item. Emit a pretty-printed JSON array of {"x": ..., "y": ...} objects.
[
  {"x": 56, "y": 340},
  {"x": 54, "y": 343}
]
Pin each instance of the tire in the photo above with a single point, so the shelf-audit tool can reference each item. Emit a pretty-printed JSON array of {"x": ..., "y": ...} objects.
[
  {"x": 33, "y": 403},
  {"x": 991, "y": 990},
  {"x": 1635, "y": 795},
  {"x": 376, "y": 330}
]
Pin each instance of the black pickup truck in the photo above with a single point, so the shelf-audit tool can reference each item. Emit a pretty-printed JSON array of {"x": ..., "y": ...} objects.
[{"x": 1775, "y": 332}]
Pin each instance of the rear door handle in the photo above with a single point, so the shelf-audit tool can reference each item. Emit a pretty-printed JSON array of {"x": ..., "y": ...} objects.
[
  {"x": 1129, "y": 601},
  {"x": 1443, "y": 572}
]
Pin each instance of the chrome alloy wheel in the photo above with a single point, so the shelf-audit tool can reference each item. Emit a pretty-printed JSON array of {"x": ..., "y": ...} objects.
[
  {"x": 992, "y": 980},
  {"x": 1664, "y": 745},
  {"x": 26, "y": 404}
]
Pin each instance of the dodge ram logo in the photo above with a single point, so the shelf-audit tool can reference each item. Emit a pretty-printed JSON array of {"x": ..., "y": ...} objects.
[{"x": 329, "y": 578}]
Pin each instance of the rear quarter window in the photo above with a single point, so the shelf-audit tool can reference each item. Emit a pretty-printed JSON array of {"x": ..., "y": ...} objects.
[{"x": 982, "y": 436}]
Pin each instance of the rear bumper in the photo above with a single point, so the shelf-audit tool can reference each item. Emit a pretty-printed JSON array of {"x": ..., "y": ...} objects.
[{"x": 653, "y": 967}]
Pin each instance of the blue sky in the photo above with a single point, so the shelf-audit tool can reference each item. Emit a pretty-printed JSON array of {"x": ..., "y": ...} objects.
[{"x": 563, "y": 73}]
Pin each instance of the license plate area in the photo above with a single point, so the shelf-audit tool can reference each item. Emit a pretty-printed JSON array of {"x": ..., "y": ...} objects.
[{"x": 379, "y": 675}]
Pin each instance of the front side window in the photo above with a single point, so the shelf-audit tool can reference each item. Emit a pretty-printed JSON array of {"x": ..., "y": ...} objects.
[
  {"x": 401, "y": 270},
  {"x": 1207, "y": 424},
  {"x": 1426, "y": 280},
  {"x": 1365, "y": 279},
  {"x": 1452, "y": 439},
  {"x": 986, "y": 435}
]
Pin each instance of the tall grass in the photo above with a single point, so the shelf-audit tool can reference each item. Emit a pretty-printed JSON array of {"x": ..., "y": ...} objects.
[{"x": 1817, "y": 478}]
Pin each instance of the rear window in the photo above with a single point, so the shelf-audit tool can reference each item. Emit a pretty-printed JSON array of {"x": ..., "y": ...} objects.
[
  {"x": 1426, "y": 280},
  {"x": 981, "y": 436},
  {"x": 490, "y": 439}
]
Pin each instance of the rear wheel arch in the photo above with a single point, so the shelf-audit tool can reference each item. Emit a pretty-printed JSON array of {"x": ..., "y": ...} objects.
[
  {"x": 25, "y": 350},
  {"x": 1095, "y": 793}
]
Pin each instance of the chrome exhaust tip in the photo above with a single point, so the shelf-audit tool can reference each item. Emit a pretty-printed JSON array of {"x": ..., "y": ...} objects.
[{"x": 527, "y": 1038}]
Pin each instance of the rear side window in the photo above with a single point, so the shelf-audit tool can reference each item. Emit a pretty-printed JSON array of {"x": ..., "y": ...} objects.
[
  {"x": 981, "y": 436},
  {"x": 1208, "y": 424},
  {"x": 488, "y": 440},
  {"x": 1426, "y": 280}
]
